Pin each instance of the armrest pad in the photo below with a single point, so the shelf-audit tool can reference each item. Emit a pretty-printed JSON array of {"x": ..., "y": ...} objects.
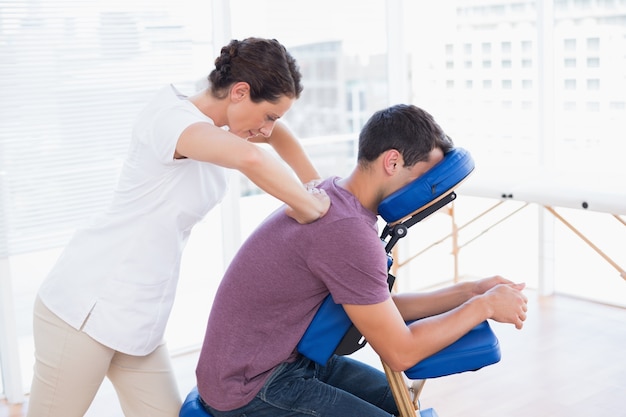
[{"x": 476, "y": 349}]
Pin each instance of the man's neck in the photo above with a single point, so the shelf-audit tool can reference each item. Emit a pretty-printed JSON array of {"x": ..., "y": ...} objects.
[{"x": 363, "y": 188}]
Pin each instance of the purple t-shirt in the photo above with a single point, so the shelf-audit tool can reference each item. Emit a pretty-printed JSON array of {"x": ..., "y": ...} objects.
[{"x": 274, "y": 286}]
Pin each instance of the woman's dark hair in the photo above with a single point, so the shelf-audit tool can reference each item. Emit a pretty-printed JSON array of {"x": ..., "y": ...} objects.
[
  {"x": 264, "y": 64},
  {"x": 410, "y": 130}
]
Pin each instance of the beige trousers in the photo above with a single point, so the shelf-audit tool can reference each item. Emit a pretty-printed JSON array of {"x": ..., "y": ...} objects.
[{"x": 70, "y": 367}]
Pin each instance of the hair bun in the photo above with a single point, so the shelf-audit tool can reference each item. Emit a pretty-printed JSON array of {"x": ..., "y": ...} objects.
[
  {"x": 233, "y": 46},
  {"x": 224, "y": 61},
  {"x": 264, "y": 64}
]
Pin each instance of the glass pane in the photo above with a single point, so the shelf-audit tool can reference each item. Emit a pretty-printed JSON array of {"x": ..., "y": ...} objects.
[
  {"x": 472, "y": 67},
  {"x": 590, "y": 122},
  {"x": 74, "y": 75},
  {"x": 476, "y": 66},
  {"x": 342, "y": 57},
  {"x": 589, "y": 43}
]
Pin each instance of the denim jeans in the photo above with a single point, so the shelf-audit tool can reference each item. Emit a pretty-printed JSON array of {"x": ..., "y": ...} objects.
[{"x": 342, "y": 388}]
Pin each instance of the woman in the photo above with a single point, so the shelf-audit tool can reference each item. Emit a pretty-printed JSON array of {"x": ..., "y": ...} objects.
[{"x": 103, "y": 308}]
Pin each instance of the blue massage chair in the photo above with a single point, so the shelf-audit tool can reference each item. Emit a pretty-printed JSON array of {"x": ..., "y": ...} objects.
[{"x": 332, "y": 333}]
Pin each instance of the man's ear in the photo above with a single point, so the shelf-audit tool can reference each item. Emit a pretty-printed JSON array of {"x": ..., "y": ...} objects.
[
  {"x": 239, "y": 91},
  {"x": 392, "y": 161}
]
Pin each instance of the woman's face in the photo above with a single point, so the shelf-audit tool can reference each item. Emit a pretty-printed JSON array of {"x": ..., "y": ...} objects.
[{"x": 247, "y": 119}]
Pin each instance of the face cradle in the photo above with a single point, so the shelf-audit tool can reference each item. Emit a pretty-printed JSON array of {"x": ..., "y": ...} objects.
[{"x": 247, "y": 119}]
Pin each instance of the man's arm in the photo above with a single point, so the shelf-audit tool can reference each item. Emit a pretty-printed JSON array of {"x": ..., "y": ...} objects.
[
  {"x": 401, "y": 346},
  {"x": 414, "y": 306}
]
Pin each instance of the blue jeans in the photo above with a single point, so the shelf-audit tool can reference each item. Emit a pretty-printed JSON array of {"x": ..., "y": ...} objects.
[{"x": 342, "y": 388}]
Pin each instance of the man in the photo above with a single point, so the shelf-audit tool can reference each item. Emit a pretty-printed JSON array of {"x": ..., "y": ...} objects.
[{"x": 275, "y": 284}]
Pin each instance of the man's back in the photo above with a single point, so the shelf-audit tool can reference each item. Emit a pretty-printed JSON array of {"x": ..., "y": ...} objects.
[{"x": 274, "y": 286}]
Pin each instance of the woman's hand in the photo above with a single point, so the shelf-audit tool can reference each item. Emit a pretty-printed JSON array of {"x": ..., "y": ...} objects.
[
  {"x": 320, "y": 203},
  {"x": 313, "y": 184}
]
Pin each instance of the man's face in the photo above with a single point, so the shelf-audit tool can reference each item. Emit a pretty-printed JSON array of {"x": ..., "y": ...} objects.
[{"x": 410, "y": 174}]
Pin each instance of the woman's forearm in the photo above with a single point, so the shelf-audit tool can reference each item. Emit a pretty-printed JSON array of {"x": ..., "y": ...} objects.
[
  {"x": 269, "y": 174},
  {"x": 289, "y": 148}
]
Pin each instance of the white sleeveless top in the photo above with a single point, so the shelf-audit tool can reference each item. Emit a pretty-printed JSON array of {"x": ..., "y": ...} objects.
[{"x": 116, "y": 279}]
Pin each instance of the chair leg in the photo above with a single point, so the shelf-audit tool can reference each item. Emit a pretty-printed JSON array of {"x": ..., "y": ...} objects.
[
  {"x": 400, "y": 392},
  {"x": 415, "y": 389}
]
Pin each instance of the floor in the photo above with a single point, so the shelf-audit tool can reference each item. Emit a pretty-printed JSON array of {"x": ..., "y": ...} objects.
[{"x": 568, "y": 361}]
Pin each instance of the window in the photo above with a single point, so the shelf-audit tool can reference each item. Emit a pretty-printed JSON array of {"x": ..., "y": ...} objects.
[
  {"x": 593, "y": 84},
  {"x": 569, "y": 106},
  {"x": 344, "y": 71},
  {"x": 593, "y": 62},
  {"x": 569, "y": 45},
  {"x": 592, "y": 106},
  {"x": 570, "y": 84},
  {"x": 501, "y": 124},
  {"x": 617, "y": 105},
  {"x": 77, "y": 73},
  {"x": 593, "y": 44},
  {"x": 64, "y": 152},
  {"x": 569, "y": 62},
  {"x": 337, "y": 60}
]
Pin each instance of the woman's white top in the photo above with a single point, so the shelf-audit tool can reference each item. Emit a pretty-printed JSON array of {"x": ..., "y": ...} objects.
[{"x": 116, "y": 279}]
